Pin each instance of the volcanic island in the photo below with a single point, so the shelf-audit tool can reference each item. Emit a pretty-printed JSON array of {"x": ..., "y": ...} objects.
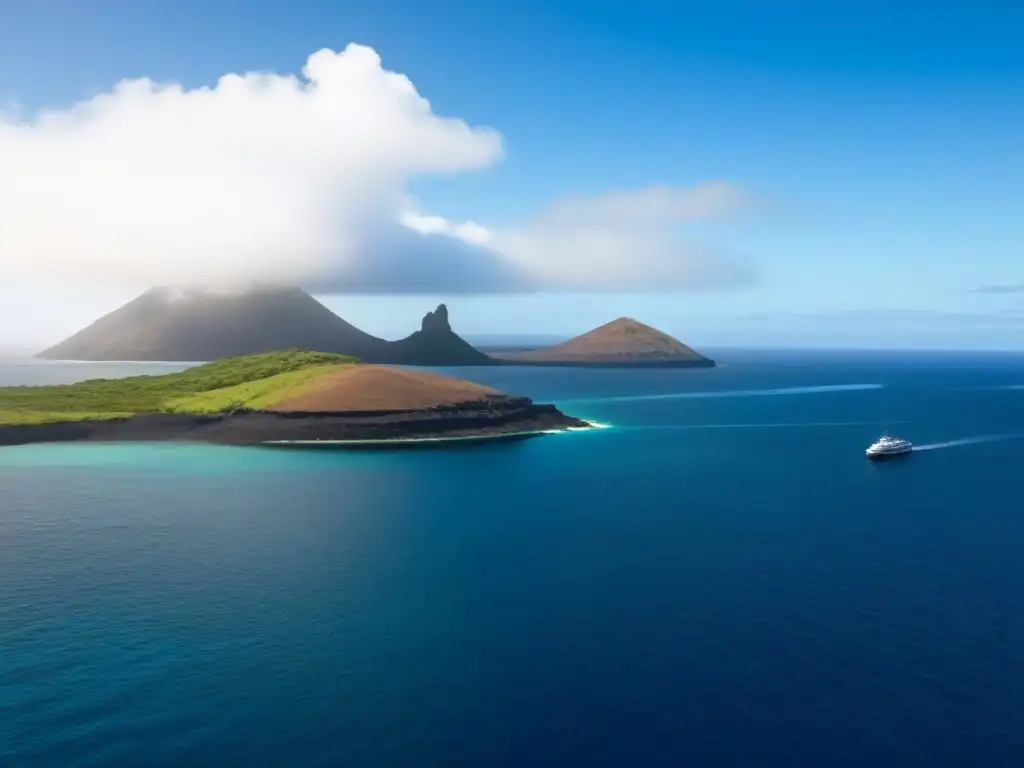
[
  {"x": 198, "y": 325},
  {"x": 291, "y": 398},
  {"x": 622, "y": 343}
]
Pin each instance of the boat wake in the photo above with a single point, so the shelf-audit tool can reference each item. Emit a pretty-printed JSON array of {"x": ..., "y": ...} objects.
[
  {"x": 763, "y": 425},
  {"x": 966, "y": 441},
  {"x": 727, "y": 393}
]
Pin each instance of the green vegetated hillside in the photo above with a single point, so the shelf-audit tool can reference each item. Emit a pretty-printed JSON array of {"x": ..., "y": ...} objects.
[{"x": 252, "y": 381}]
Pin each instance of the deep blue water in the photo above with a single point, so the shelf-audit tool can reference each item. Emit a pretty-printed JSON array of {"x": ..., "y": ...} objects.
[{"x": 719, "y": 579}]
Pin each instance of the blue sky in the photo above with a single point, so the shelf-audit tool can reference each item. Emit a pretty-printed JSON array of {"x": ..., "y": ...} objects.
[{"x": 887, "y": 137}]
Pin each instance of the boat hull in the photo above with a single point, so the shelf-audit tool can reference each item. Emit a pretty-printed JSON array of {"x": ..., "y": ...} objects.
[{"x": 879, "y": 455}]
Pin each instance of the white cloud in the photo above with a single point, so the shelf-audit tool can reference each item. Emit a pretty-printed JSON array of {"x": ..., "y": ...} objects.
[
  {"x": 303, "y": 179},
  {"x": 469, "y": 231},
  {"x": 656, "y": 205},
  {"x": 625, "y": 240},
  {"x": 263, "y": 176}
]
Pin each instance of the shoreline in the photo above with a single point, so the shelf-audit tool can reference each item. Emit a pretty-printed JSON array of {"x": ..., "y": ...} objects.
[
  {"x": 425, "y": 441},
  {"x": 606, "y": 364},
  {"x": 469, "y": 423}
]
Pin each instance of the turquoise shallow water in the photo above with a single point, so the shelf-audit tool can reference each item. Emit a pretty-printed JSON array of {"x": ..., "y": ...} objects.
[{"x": 719, "y": 579}]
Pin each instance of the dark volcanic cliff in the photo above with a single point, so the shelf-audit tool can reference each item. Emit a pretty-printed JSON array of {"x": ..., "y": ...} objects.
[
  {"x": 494, "y": 416},
  {"x": 200, "y": 325}
]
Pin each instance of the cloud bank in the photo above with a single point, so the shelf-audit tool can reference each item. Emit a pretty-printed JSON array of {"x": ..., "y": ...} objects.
[
  {"x": 302, "y": 179},
  {"x": 1001, "y": 288},
  {"x": 922, "y": 318}
]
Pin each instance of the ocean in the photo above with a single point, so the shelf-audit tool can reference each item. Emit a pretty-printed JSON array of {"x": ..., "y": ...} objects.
[{"x": 720, "y": 578}]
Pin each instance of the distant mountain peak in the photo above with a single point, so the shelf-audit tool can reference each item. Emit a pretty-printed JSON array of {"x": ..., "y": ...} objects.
[
  {"x": 436, "y": 320},
  {"x": 627, "y": 324},
  {"x": 437, "y": 344}
]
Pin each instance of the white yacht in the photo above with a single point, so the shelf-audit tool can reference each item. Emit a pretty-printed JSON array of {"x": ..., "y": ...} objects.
[{"x": 887, "y": 446}]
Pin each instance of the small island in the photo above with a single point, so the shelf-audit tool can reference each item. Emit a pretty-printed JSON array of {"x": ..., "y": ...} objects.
[
  {"x": 291, "y": 398},
  {"x": 622, "y": 343}
]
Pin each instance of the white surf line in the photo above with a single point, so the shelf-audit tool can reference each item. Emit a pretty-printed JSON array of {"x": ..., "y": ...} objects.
[
  {"x": 967, "y": 441},
  {"x": 727, "y": 393},
  {"x": 591, "y": 426},
  {"x": 402, "y": 440}
]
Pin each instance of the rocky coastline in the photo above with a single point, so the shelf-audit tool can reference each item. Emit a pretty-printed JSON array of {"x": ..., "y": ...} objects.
[{"x": 506, "y": 416}]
